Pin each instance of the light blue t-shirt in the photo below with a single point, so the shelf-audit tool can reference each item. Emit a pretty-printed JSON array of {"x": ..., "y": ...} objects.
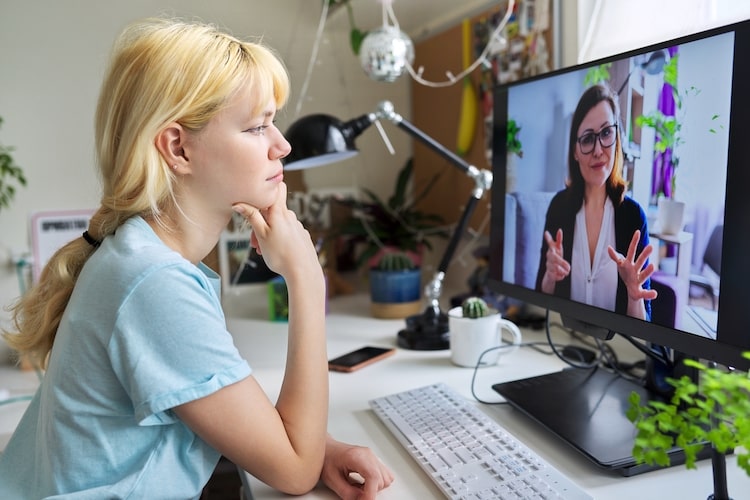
[{"x": 143, "y": 332}]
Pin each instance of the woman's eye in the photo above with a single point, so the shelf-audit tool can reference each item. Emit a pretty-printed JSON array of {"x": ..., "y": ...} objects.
[{"x": 258, "y": 130}]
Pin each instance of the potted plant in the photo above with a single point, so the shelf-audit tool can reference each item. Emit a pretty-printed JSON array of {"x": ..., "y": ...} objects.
[
  {"x": 514, "y": 149},
  {"x": 514, "y": 143},
  {"x": 11, "y": 175},
  {"x": 716, "y": 411},
  {"x": 476, "y": 334},
  {"x": 668, "y": 138},
  {"x": 378, "y": 227},
  {"x": 395, "y": 286}
]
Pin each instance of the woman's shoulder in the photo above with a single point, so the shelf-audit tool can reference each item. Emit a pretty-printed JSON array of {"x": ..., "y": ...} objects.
[
  {"x": 564, "y": 201},
  {"x": 632, "y": 207},
  {"x": 134, "y": 254}
]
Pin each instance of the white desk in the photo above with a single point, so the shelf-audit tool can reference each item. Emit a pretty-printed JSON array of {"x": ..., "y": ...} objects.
[
  {"x": 349, "y": 326},
  {"x": 351, "y": 420}
]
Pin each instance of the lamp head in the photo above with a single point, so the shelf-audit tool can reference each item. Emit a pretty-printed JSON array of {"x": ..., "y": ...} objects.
[
  {"x": 320, "y": 139},
  {"x": 655, "y": 62}
]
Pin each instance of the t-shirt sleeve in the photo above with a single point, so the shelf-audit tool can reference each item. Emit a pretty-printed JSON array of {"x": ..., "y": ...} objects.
[{"x": 170, "y": 344}]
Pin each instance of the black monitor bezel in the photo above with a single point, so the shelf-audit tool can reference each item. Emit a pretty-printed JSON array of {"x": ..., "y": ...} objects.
[{"x": 733, "y": 317}]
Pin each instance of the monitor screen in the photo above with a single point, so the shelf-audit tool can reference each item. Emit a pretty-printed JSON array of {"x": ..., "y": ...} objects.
[{"x": 603, "y": 152}]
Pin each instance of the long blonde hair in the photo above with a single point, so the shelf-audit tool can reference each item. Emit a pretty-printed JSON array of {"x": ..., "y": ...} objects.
[{"x": 161, "y": 71}]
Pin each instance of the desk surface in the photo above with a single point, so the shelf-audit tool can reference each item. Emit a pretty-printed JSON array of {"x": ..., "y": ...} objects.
[
  {"x": 350, "y": 419},
  {"x": 349, "y": 326}
]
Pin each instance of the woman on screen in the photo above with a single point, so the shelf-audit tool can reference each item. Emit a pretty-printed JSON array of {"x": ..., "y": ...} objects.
[{"x": 595, "y": 248}]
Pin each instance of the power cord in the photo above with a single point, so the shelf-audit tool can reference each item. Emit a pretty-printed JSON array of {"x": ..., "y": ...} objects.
[
  {"x": 534, "y": 345},
  {"x": 572, "y": 351},
  {"x": 587, "y": 356}
]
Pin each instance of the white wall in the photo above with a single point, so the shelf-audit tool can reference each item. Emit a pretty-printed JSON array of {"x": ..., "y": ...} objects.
[
  {"x": 52, "y": 57},
  {"x": 608, "y": 27}
]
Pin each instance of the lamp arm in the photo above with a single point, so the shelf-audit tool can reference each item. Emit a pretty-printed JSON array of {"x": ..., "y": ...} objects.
[
  {"x": 434, "y": 288},
  {"x": 482, "y": 182}
]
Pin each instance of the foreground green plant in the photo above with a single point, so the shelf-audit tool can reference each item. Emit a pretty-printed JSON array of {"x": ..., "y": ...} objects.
[{"x": 717, "y": 411}]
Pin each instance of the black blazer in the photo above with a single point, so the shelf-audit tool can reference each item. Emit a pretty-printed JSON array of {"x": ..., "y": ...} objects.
[{"x": 629, "y": 216}]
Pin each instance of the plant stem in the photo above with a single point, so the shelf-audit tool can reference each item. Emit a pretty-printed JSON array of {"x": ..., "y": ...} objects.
[{"x": 719, "y": 465}]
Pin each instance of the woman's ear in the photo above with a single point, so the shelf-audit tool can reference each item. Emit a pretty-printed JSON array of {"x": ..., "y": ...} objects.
[{"x": 170, "y": 143}]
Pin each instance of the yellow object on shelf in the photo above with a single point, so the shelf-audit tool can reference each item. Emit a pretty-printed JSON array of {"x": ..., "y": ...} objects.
[{"x": 469, "y": 104}]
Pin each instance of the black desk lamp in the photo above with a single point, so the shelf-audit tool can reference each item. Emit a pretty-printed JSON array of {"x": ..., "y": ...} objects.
[{"x": 321, "y": 139}]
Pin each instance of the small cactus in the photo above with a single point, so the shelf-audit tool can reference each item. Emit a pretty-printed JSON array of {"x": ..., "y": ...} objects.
[
  {"x": 395, "y": 261},
  {"x": 474, "y": 307}
]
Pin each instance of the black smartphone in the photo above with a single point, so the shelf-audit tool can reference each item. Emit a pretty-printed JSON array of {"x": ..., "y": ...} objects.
[{"x": 356, "y": 359}]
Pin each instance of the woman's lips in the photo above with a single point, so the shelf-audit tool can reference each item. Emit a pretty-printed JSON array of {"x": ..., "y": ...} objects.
[{"x": 278, "y": 177}]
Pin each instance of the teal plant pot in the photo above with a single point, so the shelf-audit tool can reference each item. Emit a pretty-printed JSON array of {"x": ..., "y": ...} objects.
[{"x": 395, "y": 294}]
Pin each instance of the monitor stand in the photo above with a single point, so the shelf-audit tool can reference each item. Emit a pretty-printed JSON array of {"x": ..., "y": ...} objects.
[{"x": 586, "y": 408}]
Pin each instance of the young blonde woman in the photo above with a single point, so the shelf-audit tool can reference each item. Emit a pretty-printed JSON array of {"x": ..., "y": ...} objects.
[{"x": 127, "y": 321}]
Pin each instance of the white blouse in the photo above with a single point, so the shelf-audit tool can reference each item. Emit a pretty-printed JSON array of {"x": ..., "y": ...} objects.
[{"x": 596, "y": 283}]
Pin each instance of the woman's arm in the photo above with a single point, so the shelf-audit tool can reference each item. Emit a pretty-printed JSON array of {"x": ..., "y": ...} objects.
[{"x": 283, "y": 445}]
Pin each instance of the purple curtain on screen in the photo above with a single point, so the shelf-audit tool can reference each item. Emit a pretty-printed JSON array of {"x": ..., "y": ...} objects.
[{"x": 663, "y": 169}]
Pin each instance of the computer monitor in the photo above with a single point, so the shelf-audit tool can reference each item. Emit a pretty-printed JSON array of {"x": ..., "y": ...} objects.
[{"x": 711, "y": 112}]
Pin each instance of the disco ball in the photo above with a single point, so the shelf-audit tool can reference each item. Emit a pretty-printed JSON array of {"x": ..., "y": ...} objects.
[{"x": 385, "y": 53}]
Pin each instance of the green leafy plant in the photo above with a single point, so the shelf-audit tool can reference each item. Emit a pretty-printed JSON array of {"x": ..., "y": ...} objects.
[
  {"x": 395, "y": 224},
  {"x": 717, "y": 411},
  {"x": 11, "y": 175},
  {"x": 513, "y": 142},
  {"x": 597, "y": 74},
  {"x": 474, "y": 307}
]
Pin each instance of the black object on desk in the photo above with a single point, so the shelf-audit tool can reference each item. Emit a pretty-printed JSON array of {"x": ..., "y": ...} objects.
[{"x": 586, "y": 408}]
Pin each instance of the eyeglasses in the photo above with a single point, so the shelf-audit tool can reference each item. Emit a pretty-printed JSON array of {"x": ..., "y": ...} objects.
[{"x": 606, "y": 137}]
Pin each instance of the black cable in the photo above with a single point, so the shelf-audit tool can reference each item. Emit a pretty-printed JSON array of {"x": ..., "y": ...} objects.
[
  {"x": 581, "y": 366},
  {"x": 664, "y": 358},
  {"x": 614, "y": 364},
  {"x": 533, "y": 345}
]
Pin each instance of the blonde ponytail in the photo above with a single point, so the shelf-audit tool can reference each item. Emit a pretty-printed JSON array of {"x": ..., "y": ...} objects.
[{"x": 37, "y": 314}]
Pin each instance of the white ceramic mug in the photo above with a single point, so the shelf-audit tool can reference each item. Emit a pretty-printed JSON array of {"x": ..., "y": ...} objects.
[{"x": 470, "y": 337}]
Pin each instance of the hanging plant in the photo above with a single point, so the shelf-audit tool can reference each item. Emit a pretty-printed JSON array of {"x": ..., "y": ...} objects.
[{"x": 356, "y": 35}]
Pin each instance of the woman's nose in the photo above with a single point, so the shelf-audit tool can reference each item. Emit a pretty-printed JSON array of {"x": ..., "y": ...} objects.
[{"x": 281, "y": 148}]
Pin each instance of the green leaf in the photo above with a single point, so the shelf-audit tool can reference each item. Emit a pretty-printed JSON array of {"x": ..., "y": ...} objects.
[{"x": 356, "y": 37}]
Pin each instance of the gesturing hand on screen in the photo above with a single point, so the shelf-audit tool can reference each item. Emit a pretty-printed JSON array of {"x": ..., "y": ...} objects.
[
  {"x": 632, "y": 270},
  {"x": 557, "y": 267}
]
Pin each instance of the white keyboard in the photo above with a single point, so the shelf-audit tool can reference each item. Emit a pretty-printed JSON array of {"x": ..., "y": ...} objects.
[{"x": 466, "y": 453}]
